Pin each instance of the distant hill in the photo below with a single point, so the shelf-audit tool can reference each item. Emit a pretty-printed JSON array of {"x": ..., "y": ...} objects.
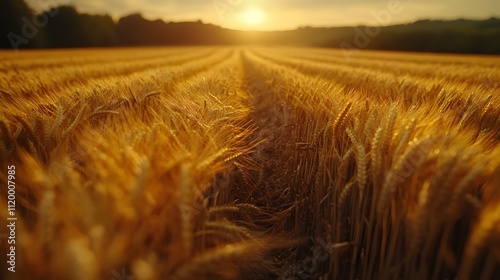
[
  {"x": 64, "y": 27},
  {"x": 455, "y": 36}
]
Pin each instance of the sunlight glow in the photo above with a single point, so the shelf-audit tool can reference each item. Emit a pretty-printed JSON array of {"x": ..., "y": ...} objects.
[{"x": 253, "y": 17}]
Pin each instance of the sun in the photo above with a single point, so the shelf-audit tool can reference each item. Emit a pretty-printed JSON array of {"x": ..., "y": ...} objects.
[{"x": 253, "y": 16}]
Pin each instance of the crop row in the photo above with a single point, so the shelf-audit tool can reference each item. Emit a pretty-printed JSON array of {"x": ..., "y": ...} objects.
[{"x": 387, "y": 175}]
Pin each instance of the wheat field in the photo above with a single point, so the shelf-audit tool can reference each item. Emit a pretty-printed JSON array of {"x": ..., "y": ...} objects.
[{"x": 251, "y": 163}]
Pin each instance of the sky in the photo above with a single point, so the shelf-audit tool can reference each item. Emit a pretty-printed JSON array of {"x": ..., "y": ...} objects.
[{"x": 286, "y": 14}]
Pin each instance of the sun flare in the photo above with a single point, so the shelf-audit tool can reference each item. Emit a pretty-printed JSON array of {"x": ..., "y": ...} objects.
[{"x": 253, "y": 16}]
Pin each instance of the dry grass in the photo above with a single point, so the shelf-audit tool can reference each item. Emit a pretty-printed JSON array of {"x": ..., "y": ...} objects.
[{"x": 210, "y": 163}]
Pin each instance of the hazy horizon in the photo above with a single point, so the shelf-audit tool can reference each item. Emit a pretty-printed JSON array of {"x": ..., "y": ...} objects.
[{"x": 285, "y": 15}]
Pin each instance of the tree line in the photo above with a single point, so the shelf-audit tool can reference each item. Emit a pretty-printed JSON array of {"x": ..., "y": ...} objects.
[{"x": 65, "y": 27}]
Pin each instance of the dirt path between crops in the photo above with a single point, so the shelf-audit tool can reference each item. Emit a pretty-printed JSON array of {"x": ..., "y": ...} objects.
[{"x": 270, "y": 187}]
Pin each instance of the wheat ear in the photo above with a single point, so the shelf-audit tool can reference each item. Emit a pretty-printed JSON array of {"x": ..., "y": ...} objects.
[
  {"x": 376, "y": 156},
  {"x": 360, "y": 161},
  {"x": 340, "y": 120},
  {"x": 395, "y": 176}
]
